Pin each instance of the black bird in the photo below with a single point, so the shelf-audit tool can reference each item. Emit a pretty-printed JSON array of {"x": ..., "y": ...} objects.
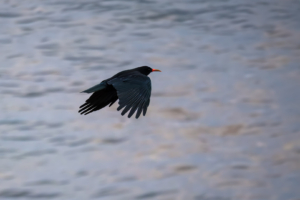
[{"x": 132, "y": 87}]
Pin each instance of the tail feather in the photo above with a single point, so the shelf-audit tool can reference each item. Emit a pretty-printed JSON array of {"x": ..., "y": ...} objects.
[{"x": 96, "y": 88}]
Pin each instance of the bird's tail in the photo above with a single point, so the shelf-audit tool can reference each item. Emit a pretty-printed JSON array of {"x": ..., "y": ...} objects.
[{"x": 95, "y": 88}]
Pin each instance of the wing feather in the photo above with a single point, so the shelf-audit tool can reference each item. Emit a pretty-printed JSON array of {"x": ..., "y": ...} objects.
[
  {"x": 131, "y": 95},
  {"x": 141, "y": 106},
  {"x": 99, "y": 99},
  {"x": 133, "y": 92},
  {"x": 137, "y": 103},
  {"x": 130, "y": 102}
]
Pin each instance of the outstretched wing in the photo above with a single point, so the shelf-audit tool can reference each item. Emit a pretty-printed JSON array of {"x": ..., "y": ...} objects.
[
  {"x": 134, "y": 93},
  {"x": 99, "y": 99}
]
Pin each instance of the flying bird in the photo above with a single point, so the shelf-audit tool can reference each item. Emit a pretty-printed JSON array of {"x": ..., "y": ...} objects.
[{"x": 132, "y": 87}]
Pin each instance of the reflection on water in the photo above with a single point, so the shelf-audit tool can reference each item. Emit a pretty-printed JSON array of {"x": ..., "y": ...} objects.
[{"x": 223, "y": 122}]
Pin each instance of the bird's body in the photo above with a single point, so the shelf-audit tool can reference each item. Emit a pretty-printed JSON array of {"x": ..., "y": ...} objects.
[{"x": 132, "y": 88}]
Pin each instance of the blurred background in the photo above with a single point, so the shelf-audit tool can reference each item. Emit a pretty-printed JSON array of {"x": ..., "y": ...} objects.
[{"x": 224, "y": 118}]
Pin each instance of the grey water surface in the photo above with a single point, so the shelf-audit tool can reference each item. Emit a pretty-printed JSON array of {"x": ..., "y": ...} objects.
[{"x": 224, "y": 117}]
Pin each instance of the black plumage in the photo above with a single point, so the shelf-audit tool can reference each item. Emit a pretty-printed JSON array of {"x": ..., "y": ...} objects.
[{"x": 132, "y": 88}]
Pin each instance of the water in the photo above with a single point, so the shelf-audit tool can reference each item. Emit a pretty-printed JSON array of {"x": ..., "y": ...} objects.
[{"x": 224, "y": 118}]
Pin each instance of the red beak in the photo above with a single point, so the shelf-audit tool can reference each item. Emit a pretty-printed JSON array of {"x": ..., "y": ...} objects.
[{"x": 156, "y": 70}]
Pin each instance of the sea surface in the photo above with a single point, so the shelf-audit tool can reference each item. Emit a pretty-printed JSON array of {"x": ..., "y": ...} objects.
[{"x": 224, "y": 117}]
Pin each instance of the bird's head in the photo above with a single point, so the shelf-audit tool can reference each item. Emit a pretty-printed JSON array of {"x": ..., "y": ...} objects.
[{"x": 146, "y": 70}]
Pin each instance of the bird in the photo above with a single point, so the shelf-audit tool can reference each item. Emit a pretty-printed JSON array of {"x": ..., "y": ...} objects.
[{"x": 132, "y": 87}]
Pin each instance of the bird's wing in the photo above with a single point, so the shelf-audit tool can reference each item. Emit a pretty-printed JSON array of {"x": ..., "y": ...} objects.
[
  {"x": 98, "y": 100},
  {"x": 134, "y": 93}
]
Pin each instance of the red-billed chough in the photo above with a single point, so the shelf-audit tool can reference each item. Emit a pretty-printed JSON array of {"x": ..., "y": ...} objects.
[{"x": 132, "y": 87}]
